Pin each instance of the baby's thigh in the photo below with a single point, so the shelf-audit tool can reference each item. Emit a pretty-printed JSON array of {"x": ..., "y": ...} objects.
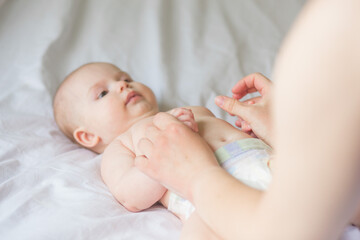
[{"x": 195, "y": 228}]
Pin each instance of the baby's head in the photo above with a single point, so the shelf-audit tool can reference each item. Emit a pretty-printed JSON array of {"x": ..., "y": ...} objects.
[{"x": 97, "y": 102}]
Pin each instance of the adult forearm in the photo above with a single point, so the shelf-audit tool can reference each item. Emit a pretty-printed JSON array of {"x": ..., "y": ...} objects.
[
  {"x": 216, "y": 195},
  {"x": 317, "y": 121}
]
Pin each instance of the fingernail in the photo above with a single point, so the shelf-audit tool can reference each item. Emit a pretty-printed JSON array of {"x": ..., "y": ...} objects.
[{"x": 219, "y": 100}]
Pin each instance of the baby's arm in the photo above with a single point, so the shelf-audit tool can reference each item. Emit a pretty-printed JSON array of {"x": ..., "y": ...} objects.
[{"x": 133, "y": 189}]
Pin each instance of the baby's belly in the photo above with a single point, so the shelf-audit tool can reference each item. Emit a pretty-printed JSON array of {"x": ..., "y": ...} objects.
[{"x": 218, "y": 132}]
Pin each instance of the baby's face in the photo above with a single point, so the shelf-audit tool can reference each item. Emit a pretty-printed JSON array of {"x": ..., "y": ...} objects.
[{"x": 110, "y": 102}]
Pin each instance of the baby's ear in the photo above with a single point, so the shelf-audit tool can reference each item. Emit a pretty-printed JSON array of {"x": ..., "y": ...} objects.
[{"x": 85, "y": 138}]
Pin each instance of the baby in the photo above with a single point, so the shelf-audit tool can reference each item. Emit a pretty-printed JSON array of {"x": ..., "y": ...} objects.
[{"x": 101, "y": 108}]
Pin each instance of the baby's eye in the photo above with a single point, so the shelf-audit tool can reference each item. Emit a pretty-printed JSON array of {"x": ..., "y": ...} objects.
[
  {"x": 128, "y": 80},
  {"x": 102, "y": 94}
]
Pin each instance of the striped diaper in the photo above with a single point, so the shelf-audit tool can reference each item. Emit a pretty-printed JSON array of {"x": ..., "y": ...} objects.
[{"x": 247, "y": 160}]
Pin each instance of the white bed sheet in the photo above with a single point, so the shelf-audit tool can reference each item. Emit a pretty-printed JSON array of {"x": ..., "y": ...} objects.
[{"x": 186, "y": 51}]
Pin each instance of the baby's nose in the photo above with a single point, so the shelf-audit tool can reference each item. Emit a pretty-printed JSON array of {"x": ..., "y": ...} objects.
[{"x": 121, "y": 85}]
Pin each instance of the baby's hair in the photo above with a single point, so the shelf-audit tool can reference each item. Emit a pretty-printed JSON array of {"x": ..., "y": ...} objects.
[
  {"x": 64, "y": 110},
  {"x": 66, "y": 113},
  {"x": 60, "y": 108}
]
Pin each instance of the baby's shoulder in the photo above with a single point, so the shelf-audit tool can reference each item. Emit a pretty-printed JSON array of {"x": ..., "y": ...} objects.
[{"x": 122, "y": 141}]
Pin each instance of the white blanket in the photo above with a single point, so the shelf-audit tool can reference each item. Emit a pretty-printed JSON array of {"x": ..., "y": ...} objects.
[{"x": 187, "y": 51}]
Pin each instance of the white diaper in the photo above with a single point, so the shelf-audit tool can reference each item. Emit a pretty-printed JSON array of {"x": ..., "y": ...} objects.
[{"x": 246, "y": 159}]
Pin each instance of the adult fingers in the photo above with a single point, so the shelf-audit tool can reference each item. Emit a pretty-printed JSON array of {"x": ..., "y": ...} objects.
[
  {"x": 252, "y": 100},
  {"x": 142, "y": 163},
  {"x": 152, "y": 132},
  {"x": 164, "y": 120},
  {"x": 145, "y": 145},
  {"x": 255, "y": 82},
  {"x": 233, "y": 106}
]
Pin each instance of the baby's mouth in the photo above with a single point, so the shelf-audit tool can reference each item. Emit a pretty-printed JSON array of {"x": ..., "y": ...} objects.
[{"x": 132, "y": 96}]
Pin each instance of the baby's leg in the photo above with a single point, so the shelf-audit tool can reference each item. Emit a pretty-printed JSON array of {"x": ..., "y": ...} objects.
[{"x": 195, "y": 228}]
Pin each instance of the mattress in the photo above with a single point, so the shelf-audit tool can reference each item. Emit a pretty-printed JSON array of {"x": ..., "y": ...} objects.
[{"x": 187, "y": 51}]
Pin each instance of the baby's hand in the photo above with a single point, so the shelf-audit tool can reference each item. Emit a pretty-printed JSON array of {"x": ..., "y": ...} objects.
[{"x": 186, "y": 116}]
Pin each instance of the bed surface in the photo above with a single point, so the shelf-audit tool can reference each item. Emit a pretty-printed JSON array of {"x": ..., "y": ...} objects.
[{"x": 186, "y": 51}]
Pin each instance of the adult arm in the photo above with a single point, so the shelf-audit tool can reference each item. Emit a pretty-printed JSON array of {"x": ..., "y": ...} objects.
[
  {"x": 315, "y": 190},
  {"x": 317, "y": 122},
  {"x": 317, "y": 127}
]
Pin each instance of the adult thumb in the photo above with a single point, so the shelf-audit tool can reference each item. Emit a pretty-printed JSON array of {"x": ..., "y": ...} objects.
[
  {"x": 141, "y": 163},
  {"x": 233, "y": 106}
]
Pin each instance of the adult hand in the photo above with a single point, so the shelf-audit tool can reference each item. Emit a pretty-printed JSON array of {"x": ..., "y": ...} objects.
[
  {"x": 174, "y": 154},
  {"x": 253, "y": 114}
]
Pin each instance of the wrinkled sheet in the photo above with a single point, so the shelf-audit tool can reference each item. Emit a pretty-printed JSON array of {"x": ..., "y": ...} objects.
[{"x": 187, "y": 51}]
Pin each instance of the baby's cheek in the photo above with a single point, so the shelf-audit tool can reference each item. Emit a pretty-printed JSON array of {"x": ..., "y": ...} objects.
[
  {"x": 105, "y": 125},
  {"x": 112, "y": 113}
]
